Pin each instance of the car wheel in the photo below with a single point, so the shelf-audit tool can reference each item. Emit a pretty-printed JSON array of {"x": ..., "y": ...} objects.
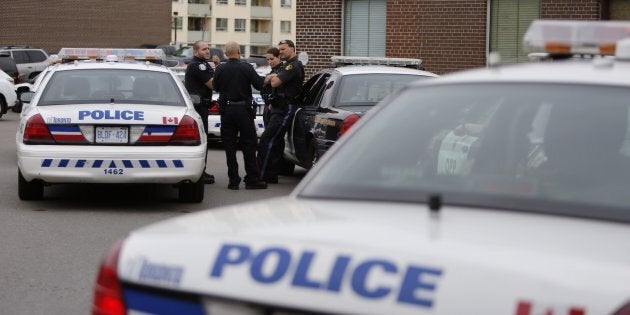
[
  {"x": 17, "y": 108},
  {"x": 192, "y": 192},
  {"x": 33, "y": 190},
  {"x": 285, "y": 167},
  {"x": 3, "y": 106}
]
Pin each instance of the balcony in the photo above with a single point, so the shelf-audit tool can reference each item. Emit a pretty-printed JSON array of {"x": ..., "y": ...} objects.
[
  {"x": 261, "y": 12},
  {"x": 194, "y": 36},
  {"x": 260, "y": 38},
  {"x": 199, "y": 9}
]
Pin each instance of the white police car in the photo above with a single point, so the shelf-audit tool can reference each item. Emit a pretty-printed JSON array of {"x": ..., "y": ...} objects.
[
  {"x": 110, "y": 116},
  {"x": 214, "y": 118},
  {"x": 536, "y": 223}
]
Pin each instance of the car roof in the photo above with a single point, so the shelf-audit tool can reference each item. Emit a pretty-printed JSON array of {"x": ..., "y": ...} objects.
[
  {"x": 598, "y": 71},
  {"x": 349, "y": 70}
]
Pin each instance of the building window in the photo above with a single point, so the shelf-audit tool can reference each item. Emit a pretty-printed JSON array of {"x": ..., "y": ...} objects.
[
  {"x": 177, "y": 23},
  {"x": 240, "y": 2},
  {"x": 239, "y": 25},
  {"x": 196, "y": 24},
  {"x": 222, "y": 1},
  {"x": 285, "y": 3},
  {"x": 509, "y": 21},
  {"x": 221, "y": 24},
  {"x": 285, "y": 26},
  {"x": 364, "y": 28}
]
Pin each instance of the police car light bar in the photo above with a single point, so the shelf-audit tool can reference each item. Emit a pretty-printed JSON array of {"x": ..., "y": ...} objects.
[
  {"x": 575, "y": 37},
  {"x": 128, "y": 54},
  {"x": 399, "y": 62}
]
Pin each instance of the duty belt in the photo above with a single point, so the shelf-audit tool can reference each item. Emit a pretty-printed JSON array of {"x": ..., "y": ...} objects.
[{"x": 237, "y": 103}]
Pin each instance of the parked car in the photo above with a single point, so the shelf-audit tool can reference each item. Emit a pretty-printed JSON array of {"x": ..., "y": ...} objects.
[
  {"x": 7, "y": 93},
  {"x": 334, "y": 99},
  {"x": 185, "y": 54},
  {"x": 30, "y": 61},
  {"x": 380, "y": 226},
  {"x": 110, "y": 120},
  {"x": 8, "y": 65}
]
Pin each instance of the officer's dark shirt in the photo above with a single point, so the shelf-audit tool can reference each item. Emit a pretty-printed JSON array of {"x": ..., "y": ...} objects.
[
  {"x": 268, "y": 89},
  {"x": 198, "y": 73},
  {"x": 292, "y": 77},
  {"x": 229, "y": 78}
]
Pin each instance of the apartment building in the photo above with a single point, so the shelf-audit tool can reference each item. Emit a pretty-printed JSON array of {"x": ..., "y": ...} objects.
[{"x": 255, "y": 24}]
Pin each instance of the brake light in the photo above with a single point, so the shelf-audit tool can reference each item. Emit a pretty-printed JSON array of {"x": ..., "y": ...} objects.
[
  {"x": 37, "y": 132},
  {"x": 624, "y": 310},
  {"x": 187, "y": 132},
  {"x": 214, "y": 109},
  {"x": 347, "y": 123},
  {"x": 108, "y": 297}
]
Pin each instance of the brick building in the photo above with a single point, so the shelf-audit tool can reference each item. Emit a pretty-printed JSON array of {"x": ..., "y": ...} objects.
[
  {"x": 85, "y": 23},
  {"x": 448, "y": 35}
]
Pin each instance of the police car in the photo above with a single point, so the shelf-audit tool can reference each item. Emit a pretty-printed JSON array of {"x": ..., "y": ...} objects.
[
  {"x": 110, "y": 116},
  {"x": 536, "y": 223}
]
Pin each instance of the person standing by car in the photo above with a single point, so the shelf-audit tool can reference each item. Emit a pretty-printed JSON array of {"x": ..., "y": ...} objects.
[
  {"x": 288, "y": 85},
  {"x": 198, "y": 81},
  {"x": 234, "y": 80},
  {"x": 273, "y": 59}
]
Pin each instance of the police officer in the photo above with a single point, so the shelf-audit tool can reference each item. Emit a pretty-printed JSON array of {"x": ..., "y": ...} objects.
[
  {"x": 273, "y": 59},
  {"x": 198, "y": 81},
  {"x": 288, "y": 85},
  {"x": 234, "y": 80}
]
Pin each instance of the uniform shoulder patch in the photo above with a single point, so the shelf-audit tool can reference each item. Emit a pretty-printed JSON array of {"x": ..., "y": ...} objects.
[
  {"x": 288, "y": 67},
  {"x": 202, "y": 67}
]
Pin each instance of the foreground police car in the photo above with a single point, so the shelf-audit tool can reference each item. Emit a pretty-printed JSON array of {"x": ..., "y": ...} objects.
[
  {"x": 114, "y": 121},
  {"x": 531, "y": 221}
]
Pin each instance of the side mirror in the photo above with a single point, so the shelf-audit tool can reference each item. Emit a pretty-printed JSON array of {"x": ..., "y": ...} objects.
[
  {"x": 26, "y": 97},
  {"x": 196, "y": 99},
  {"x": 171, "y": 62}
]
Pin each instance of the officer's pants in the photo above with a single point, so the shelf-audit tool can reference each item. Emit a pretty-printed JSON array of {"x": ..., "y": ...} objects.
[
  {"x": 271, "y": 144},
  {"x": 237, "y": 123}
]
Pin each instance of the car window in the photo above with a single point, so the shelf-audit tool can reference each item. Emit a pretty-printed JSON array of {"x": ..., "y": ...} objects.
[
  {"x": 7, "y": 64},
  {"x": 36, "y": 56},
  {"x": 370, "y": 88},
  {"x": 20, "y": 56},
  {"x": 314, "y": 89},
  {"x": 107, "y": 85},
  {"x": 558, "y": 150}
]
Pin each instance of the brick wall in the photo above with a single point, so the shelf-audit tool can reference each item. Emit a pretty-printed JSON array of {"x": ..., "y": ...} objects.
[
  {"x": 85, "y": 23},
  {"x": 570, "y": 9},
  {"x": 318, "y": 31},
  {"x": 446, "y": 35}
]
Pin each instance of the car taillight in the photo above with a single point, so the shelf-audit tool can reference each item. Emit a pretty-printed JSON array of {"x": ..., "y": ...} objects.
[
  {"x": 108, "y": 297},
  {"x": 624, "y": 310},
  {"x": 347, "y": 123},
  {"x": 187, "y": 133},
  {"x": 37, "y": 132},
  {"x": 214, "y": 109}
]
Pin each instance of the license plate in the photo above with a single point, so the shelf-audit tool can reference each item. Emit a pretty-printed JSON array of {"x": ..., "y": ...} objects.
[{"x": 112, "y": 135}]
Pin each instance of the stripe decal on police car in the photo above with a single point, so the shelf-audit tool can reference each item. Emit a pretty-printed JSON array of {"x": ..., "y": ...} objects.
[
  {"x": 66, "y": 132},
  {"x": 71, "y": 163}
]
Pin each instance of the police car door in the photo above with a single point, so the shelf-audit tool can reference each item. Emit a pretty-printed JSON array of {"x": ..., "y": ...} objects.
[{"x": 300, "y": 132}]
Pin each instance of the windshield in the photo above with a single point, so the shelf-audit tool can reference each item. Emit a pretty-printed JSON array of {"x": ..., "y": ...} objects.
[
  {"x": 184, "y": 52},
  {"x": 100, "y": 86},
  {"x": 561, "y": 149},
  {"x": 371, "y": 88}
]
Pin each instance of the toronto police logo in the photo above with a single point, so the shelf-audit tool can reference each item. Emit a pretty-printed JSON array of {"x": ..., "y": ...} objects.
[
  {"x": 202, "y": 67},
  {"x": 289, "y": 67}
]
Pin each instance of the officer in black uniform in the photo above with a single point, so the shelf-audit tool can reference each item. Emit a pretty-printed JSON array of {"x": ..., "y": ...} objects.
[
  {"x": 234, "y": 80},
  {"x": 198, "y": 81},
  {"x": 273, "y": 59},
  {"x": 288, "y": 85}
]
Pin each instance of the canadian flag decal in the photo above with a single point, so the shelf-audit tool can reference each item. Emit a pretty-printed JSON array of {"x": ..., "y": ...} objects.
[
  {"x": 535, "y": 308},
  {"x": 170, "y": 120}
]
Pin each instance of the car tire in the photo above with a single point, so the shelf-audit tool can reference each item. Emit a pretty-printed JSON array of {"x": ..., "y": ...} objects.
[
  {"x": 33, "y": 190},
  {"x": 192, "y": 192},
  {"x": 285, "y": 167},
  {"x": 3, "y": 106},
  {"x": 17, "y": 108}
]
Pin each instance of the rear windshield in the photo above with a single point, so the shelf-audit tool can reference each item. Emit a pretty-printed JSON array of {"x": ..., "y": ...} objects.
[
  {"x": 96, "y": 86},
  {"x": 551, "y": 148},
  {"x": 7, "y": 64},
  {"x": 370, "y": 88}
]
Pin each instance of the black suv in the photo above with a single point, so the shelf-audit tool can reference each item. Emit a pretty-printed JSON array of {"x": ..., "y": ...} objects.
[{"x": 7, "y": 64}]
